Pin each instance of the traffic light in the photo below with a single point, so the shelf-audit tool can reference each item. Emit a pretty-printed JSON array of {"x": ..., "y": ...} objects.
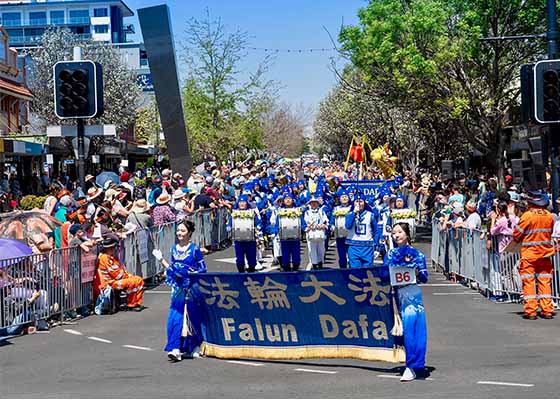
[
  {"x": 547, "y": 91},
  {"x": 78, "y": 89}
]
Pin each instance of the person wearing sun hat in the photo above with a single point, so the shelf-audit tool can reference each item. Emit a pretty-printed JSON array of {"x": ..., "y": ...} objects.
[
  {"x": 162, "y": 213},
  {"x": 534, "y": 232},
  {"x": 139, "y": 214}
]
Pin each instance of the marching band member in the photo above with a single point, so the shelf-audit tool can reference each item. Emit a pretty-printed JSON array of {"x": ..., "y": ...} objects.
[
  {"x": 245, "y": 222},
  {"x": 409, "y": 298},
  {"x": 304, "y": 194},
  {"x": 287, "y": 224},
  {"x": 315, "y": 223},
  {"x": 337, "y": 220},
  {"x": 361, "y": 224},
  {"x": 276, "y": 250},
  {"x": 383, "y": 237}
]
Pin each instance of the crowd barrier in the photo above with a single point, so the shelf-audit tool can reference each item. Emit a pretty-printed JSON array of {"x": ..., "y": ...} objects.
[
  {"x": 47, "y": 285},
  {"x": 473, "y": 256}
]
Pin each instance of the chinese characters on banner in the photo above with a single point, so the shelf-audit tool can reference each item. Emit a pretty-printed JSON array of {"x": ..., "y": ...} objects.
[{"x": 329, "y": 313}]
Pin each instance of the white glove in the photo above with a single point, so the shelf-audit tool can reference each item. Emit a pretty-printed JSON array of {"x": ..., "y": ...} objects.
[
  {"x": 356, "y": 209},
  {"x": 157, "y": 254}
]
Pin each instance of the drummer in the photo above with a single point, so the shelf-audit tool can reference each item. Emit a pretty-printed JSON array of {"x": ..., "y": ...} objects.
[
  {"x": 245, "y": 241},
  {"x": 338, "y": 226},
  {"x": 289, "y": 216},
  {"x": 315, "y": 223}
]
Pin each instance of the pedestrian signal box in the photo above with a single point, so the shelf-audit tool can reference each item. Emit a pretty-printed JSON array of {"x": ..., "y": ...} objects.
[
  {"x": 547, "y": 91},
  {"x": 78, "y": 89}
]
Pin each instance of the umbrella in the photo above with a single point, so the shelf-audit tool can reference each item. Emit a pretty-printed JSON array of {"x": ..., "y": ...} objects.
[
  {"x": 21, "y": 225},
  {"x": 200, "y": 168},
  {"x": 105, "y": 177},
  {"x": 11, "y": 250},
  {"x": 260, "y": 162}
]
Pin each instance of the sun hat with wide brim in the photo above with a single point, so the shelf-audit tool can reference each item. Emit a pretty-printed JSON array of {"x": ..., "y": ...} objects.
[
  {"x": 140, "y": 206},
  {"x": 178, "y": 194},
  {"x": 163, "y": 198},
  {"x": 537, "y": 199},
  {"x": 94, "y": 193}
]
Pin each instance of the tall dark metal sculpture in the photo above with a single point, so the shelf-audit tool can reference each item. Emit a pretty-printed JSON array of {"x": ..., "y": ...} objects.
[{"x": 158, "y": 39}]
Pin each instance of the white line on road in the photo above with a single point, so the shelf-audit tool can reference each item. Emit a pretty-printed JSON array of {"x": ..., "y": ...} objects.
[
  {"x": 398, "y": 377},
  {"x": 439, "y": 284},
  {"x": 98, "y": 339},
  {"x": 452, "y": 293},
  {"x": 73, "y": 332},
  {"x": 129, "y": 346},
  {"x": 252, "y": 364},
  {"x": 157, "y": 291},
  {"x": 315, "y": 371},
  {"x": 505, "y": 383}
]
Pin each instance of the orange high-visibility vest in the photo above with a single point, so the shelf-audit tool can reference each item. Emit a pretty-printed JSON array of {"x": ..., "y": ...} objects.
[
  {"x": 534, "y": 231},
  {"x": 110, "y": 269}
]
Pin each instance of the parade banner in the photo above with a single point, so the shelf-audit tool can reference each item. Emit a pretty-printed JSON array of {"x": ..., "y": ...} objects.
[
  {"x": 338, "y": 313},
  {"x": 368, "y": 188}
]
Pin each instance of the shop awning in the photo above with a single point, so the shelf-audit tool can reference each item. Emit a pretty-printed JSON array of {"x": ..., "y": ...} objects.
[{"x": 15, "y": 89}]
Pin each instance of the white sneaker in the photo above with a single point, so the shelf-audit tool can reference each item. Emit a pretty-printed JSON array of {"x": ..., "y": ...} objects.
[
  {"x": 196, "y": 352},
  {"x": 259, "y": 266},
  {"x": 175, "y": 355},
  {"x": 408, "y": 375}
]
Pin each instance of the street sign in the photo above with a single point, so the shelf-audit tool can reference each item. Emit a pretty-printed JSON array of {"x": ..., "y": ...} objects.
[
  {"x": 69, "y": 162},
  {"x": 50, "y": 159},
  {"x": 95, "y": 159},
  {"x": 90, "y": 130}
]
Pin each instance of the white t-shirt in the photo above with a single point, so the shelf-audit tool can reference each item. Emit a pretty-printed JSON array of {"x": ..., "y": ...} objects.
[{"x": 473, "y": 221}]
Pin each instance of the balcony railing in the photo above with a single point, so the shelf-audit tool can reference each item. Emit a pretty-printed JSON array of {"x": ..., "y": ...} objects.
[{"x": 43, "y": 22}]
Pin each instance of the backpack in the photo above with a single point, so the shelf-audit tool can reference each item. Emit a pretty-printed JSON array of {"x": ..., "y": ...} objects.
[{"x": 103, "y": 302}]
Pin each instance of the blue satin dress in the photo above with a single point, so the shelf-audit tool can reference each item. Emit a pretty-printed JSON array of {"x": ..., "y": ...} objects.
[
  {"x": 411, "y": 305},
  {"x": 182, "y": 263}
]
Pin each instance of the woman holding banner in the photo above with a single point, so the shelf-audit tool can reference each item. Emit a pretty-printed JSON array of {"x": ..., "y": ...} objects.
[
  {"x": 186, "y": 259},
  {"x": 407, "y": 265}
]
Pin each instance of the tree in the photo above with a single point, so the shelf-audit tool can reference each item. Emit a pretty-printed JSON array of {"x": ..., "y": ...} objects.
[
  {"x": 284, "y": 130},
  {"x": 223, "y": 112},
  {"x": 353, "y": 108},
  {"x": 425, "y": 55},
  {"x": 120, "y": 90},
  {"x": 147, "y": 125}
]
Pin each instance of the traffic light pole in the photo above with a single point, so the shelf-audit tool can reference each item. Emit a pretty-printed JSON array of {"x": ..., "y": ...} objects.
[
  {"x": 554, "y": 129},
  {"x": 81, "y": 153}
]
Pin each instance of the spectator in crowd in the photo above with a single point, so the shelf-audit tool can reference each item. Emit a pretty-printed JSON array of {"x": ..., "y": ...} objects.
[
  {"x": 139, "y": 215},
  {"x": 162, "y": 213}
]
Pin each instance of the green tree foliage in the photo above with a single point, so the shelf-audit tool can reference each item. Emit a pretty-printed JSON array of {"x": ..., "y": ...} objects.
[
  {"x": 223, "y": 111},
  {"x": 426, "y": 56},
  {"x": 147, "y": 124}
]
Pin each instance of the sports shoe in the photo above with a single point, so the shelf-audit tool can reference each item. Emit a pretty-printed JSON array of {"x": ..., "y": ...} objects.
[
  {"x": 531, "y": 317},
  {"x": 175, "y": 355},
  {"x": 196, "y": 352},
  {"x": 547, "y": 316},
  {"x": 408, "y": 375}
]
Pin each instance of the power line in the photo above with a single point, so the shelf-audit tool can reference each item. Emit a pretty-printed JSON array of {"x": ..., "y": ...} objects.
[{"x": 271, "y": 50}]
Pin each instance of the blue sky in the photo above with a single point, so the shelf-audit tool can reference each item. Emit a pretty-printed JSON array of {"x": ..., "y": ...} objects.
[{"x": 289, "y": 24}]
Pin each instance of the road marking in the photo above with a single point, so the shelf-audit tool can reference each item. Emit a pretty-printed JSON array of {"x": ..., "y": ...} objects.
[
  {"x": 439, "y": 284},
  {"x": 315, "y": 371},
  {"x": 252, "y": 364},
  {"x": 98, "y": 339},
  {"x": 452, "y": 293},
  {"x": 504, "y": 383},
  {"x": 158, "y": 291},
  {"x": 398, "y": 377},
  {"x": 73, "y": 332},
  {"x": 129, "y": 346}
]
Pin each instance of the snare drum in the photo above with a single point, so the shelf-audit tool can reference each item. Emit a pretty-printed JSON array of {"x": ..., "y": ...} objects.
[
  {"x": 243, "y": 229},
  {"x": 316, "y": 235},
  {"x": 290, "y": 228},
  {"x": 340, "y": 227}
]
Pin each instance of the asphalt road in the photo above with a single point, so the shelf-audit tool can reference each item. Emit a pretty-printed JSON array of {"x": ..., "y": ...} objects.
[{"x": 475, "y": 349}]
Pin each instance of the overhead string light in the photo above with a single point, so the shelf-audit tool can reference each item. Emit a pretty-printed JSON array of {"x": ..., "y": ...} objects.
[{"x": 270, "y": 50}]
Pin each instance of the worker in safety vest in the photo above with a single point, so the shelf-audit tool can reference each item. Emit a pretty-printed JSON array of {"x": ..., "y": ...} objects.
[
  {"x": 534, "y": 231},
  {"x": 114, "y": 274}
]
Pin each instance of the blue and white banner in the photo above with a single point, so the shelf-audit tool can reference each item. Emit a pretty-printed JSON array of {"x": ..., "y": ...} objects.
[
  {"x": 344, "y": 313},
  {"x": 368, "y": 188}
]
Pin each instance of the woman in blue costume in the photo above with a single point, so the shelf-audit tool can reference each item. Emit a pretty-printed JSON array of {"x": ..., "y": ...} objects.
[
  {"x": 410, "y": 301},
  {"x": 186, "y": 258}
]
